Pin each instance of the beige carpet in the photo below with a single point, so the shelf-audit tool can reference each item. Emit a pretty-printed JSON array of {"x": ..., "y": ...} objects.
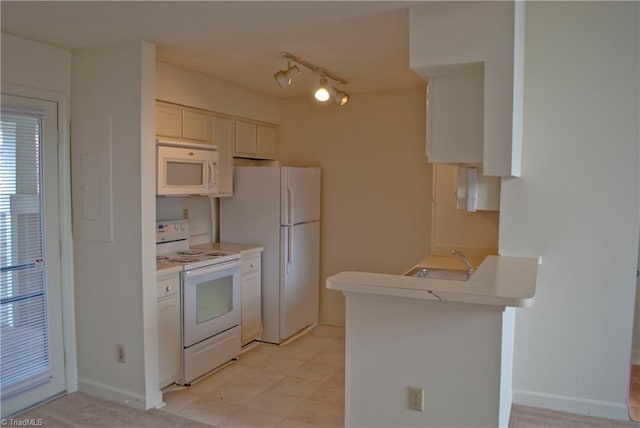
[
  {"x": 530, "y": 417},
  {"x": 81, "y": 410}
]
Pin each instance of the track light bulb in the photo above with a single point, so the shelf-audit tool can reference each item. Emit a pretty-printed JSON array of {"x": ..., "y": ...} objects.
[
  {"x": 322, "y": 93},
  {"x": 285, "y": 77}
]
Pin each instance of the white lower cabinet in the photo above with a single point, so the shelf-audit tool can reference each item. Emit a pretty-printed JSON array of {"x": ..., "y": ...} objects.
[
  {"x": 251, "y": 297},
  {"x": 169, "y": 341}
]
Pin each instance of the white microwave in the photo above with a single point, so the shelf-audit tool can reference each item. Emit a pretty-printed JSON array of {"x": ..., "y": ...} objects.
[{"x": 186, "y": 169}]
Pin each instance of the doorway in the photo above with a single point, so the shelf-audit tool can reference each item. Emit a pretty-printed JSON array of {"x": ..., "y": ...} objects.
[{"x": 32, "y": 351}]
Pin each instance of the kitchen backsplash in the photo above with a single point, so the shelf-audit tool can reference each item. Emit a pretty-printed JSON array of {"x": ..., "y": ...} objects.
[{"x": 199, "y": 212}]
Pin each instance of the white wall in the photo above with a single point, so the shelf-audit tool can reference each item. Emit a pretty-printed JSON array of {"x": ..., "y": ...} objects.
[
  {"x": 473, "y": 233},
  {"x": 115, "y": 286},
  {"x": 577, "y": 206},
  {"x": 376, "y": 182}
]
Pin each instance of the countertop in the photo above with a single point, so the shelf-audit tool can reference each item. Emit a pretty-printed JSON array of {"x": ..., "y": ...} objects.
[
  {"x": 163, "y": 268},
  {"x": 242, "y": 249},
  {"x": 449, "y": 262},
  {"x": 498, "y": 281},
  {"x": 230, "y": 248}
]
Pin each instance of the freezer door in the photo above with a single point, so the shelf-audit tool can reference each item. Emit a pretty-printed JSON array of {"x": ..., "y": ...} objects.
[
  {"x": 299, "y": 277},
  {"x": 300, "y": 197}
]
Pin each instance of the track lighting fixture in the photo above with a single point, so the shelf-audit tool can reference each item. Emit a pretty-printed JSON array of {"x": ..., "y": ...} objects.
[
  {"x": 285, "y": 77},
  {"x": 324, "y": 92},
  {"x": 340, "y": 97}
]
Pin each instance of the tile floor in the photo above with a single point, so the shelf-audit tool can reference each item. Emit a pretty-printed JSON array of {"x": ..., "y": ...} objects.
[{"x": 300, "y": 384}]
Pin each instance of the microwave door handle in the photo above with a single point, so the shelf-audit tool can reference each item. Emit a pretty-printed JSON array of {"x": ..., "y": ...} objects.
[{"x": 212, "y": 176}]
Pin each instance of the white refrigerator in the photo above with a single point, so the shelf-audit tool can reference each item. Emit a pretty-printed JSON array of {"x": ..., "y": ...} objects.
[{"x": 279, "y": 208}]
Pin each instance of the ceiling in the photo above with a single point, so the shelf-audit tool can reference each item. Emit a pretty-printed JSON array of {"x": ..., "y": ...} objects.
[{"x": 366, "y": 43}]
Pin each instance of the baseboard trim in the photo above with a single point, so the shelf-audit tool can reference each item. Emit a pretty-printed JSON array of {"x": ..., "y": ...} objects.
[
  {"x": 111, "y": 393},
  {"x": 332, "y": 319},
  {"x": 582, "y": 406}
]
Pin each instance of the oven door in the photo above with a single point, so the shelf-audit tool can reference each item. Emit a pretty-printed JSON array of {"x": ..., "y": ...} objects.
[{"x": 211, "y": 301}]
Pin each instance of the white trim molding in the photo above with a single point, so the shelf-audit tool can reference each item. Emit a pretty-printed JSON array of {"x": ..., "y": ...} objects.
[{"x": 578, "y": 405}]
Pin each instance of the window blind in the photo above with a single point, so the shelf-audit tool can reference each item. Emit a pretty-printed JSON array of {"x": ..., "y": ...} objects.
[{"x": 23, "y": 316}]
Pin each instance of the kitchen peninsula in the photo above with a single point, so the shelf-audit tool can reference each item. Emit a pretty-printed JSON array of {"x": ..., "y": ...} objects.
[{"x": 453, "y": 340}]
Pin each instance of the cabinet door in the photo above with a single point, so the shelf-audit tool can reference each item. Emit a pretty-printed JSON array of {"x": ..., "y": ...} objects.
[
  {"x": 168, "y": 120},
  {"x": 169, "y": 344},
  {"x": 196, "y": 126},
  {"x": 223, "y": 137},
  {"x": 251, "y": 298},
  {"x": 455, "y": 118},
  {"x": 266, "y": 145},
  {"x": 246, "y": 134}
]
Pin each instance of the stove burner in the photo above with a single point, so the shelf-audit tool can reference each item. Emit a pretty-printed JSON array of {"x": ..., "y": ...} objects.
[
  {"x": 216, "y": 254},
  {"x": 184, "y": 259},
  {"x": 190, "y": 252},
  {"x": 162, "y": 258}
]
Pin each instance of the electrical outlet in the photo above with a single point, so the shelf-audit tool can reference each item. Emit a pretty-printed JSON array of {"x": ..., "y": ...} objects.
[
  {"x": 415, "y": 398},
  {"x": 120, "y": 354}
]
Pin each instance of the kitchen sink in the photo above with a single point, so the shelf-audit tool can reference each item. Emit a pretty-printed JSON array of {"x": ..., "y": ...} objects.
[{"x": 437, "y": 273}]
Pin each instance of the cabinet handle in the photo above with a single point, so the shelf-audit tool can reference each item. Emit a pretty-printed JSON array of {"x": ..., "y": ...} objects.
[
  {"x": 168, "y": 288},
  {"x": 253, "y": 265}
]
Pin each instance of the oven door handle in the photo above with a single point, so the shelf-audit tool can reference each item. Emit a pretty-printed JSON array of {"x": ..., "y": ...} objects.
[{"x": 194, "y": 273}]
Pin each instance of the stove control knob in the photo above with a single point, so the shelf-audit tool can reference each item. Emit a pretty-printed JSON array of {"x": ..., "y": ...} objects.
[
  {"x": 175, "y": 226},
  {"x": 181, "y": 226}
]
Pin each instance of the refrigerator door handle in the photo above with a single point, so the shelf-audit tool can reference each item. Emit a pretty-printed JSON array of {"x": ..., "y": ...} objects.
[
  {"x": 290, "y": 206},
  {"x": 289, "y": 247}
]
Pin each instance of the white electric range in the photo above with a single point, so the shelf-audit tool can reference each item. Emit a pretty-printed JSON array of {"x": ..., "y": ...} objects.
[{"x": 210, "y": 299}]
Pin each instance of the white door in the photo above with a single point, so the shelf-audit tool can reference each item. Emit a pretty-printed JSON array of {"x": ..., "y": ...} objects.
[
  {"x": 32, "y": 363},
  {"x": 300, "y": 277},
  {"x": 300, "y": 195}
]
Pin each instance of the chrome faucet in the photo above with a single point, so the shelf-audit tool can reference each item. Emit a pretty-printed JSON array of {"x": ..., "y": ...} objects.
[{"x": 465, "y": 260}]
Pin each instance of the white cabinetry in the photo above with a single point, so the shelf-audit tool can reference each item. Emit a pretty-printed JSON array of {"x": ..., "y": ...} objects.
[
  {"x": 447, "y": 38},
  {"x": 223, "y": 137},
  {"x": 169, "y": 341},
  {"x": 254, "y": 140},
  {"x": 251, "y": 296},
  {"x": 455, "y": 118},
  {"x": 196, "y": 126},
  {"x": 182, "y": 123},
  {"x": 200, "y": 126}
]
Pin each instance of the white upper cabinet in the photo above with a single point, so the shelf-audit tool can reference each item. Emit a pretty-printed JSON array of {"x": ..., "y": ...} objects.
[
  {"x": 266, "y": 142},
  {"x": 254, "y": 140},
  {"x": 182, "y": 123},
  {"x": 455, "y": 118},
  {"x": 246, "y": 138},
  {"x": 223, "y": 137},
  {"x": 454, "y": 38},
  {"x": 196, "y": 125},
  {"x": 168, "y": 120}
]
